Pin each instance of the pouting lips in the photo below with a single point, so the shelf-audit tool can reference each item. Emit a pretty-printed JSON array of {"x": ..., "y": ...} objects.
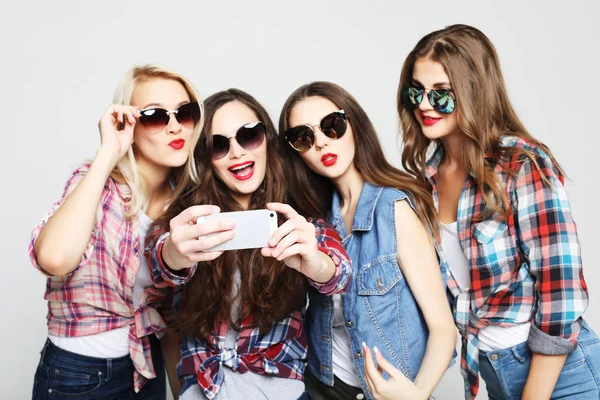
[{"x": 328, "y": 159}]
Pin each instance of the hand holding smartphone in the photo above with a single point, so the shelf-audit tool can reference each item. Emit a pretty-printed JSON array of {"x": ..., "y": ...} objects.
[{"x": 253, "y": 228}]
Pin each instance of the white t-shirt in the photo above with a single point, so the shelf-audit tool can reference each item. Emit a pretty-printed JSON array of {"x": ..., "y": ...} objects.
[
  {"x": 492, "y": 337},
  {"x": 343, "y": 366}
]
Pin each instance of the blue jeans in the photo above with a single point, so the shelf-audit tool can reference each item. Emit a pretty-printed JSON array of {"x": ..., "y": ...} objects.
[
  {"x": 505, "y": 371},
  {"x": 65, "y": 375}
]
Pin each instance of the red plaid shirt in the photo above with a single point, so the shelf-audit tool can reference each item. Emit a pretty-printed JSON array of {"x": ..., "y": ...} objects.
[
  {"x": 98, "y": 295},
  {"x": 280, "y": 352},
  {"x": 525, "y": 268}
]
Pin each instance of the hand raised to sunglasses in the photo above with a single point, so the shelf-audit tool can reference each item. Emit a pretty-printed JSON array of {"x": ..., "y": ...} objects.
[
  {"x": 116, "y": 130},
  {"x": 398, "y": 387},
  {"x": 183, "y": 248},
  {"x": 295, "y": 243}
]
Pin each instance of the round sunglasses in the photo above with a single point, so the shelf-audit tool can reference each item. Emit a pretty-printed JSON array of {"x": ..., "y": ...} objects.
[
  {"x": 249, "y": 136},
  {"x": 442, "y": 100},
  {"x": 155, "y": 119},
  {"x": 302, "y": 137}
]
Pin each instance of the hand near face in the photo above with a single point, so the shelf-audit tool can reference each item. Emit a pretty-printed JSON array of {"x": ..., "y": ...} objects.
[{"x": 116, "y": 129}]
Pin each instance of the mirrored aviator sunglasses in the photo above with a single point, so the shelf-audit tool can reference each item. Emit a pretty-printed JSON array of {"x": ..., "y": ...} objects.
[
  {"x": 302, "y": 137},
  {"x": 155, "y": 119},
  {"x": 249, "y": 136},
  {"x": 442, "y": 100}
]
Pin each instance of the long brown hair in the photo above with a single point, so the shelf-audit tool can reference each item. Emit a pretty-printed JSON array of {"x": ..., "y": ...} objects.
[
  {"x": 315, "y": 191},
  {"x": 484, "y": 111},
  {"x": 269, "y": 291}
]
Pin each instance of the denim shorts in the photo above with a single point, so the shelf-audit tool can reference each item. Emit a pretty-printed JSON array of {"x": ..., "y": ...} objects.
[
  {"x": 505, "y": 371},
  {"x": 65, "y": 375}
]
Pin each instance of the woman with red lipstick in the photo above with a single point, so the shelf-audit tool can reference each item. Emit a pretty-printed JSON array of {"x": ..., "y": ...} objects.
[
  {"x": 103, "y": 324},
  {"x": 240, "y": 312},
  {"x": 396, "y": 300},
  {"x": 508, "y": 234}
]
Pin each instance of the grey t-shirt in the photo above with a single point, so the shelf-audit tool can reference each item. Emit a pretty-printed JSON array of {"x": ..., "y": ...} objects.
[{"x": 249, "y": 385}]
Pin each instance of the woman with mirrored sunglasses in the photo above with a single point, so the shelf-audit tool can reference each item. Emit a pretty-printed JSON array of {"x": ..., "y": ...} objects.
[
  {"x": 396, "y": 301},
  {"x": 103, "y": 323},
  {"x": 240, "y": 312},
  {"x": 508, "y": 234}
]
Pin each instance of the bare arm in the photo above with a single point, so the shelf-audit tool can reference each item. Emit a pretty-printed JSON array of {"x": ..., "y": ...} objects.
[
  {"x": 420, "y": 267},
  {"x": 64, "y": 238},
  {"x": 543, "y": 373}
]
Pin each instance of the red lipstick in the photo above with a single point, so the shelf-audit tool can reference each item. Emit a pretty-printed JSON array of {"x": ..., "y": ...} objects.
[
  {"x": 177, "y": 144},
  {"x": 429, "y": 121},
  {"x": 328, "y": 159},
  {"x": 242, "y": 171}
]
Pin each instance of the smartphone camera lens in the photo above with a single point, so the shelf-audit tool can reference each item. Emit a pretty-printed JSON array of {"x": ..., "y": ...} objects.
[{"x": 271, "y": 215}]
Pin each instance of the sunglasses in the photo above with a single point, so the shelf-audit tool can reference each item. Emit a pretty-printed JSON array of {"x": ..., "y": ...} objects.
[
  {"x": 249, "y": 136},
  {"x": 302, "y": 137},
  {"x": 441, "y": 100},
  {"x": 155, "y": 119}
]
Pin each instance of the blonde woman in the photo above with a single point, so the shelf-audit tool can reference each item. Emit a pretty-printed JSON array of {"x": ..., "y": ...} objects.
[{"x": 103, "y": 326}]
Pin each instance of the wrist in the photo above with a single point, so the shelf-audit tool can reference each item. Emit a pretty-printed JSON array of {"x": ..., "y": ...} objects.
[
  {"x": 165, "y": 255},
  {"x": 324, "y": 274},
  {"x": 106, "y": 159}
]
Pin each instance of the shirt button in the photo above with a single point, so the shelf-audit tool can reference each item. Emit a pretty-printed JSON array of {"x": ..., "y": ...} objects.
[
  {"x": 494, "y": 357},
  {"x": 349, "y": 323},
  {"x": 360, "y": 396},
  {"x": 357, "y": 355}
]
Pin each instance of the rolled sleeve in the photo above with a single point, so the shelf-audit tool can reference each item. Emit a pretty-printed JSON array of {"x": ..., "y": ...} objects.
[
  {"x": 330, "y": 243},
  {"x": 162, "y": 275},
  {"x": 548, "y": 239}
]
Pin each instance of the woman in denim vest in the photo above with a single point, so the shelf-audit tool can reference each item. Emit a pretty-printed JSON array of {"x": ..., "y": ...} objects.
[
  {"x": 508, "y": 235},
  {"x": 396, "y": 301}
]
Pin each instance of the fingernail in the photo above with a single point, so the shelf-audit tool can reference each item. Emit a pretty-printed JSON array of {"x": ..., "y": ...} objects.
[
  {"x": 364, "y": 345},
  {"x": 376, "y": 349},
  {"x": 275, "y": 253},
  {"x": 231, "y": 234},
  {"x": 229, "y": 224}
]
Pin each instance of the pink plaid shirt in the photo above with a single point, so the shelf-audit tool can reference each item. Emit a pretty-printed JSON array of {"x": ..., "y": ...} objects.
[{"x": 98, "y": 295}]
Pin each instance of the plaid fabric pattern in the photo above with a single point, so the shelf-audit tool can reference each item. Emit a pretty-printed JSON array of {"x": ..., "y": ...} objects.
[
  {"x": 525, "y": 268},
  {"x": 98, "y": 295},
  {"x": 281, "y": 352}
]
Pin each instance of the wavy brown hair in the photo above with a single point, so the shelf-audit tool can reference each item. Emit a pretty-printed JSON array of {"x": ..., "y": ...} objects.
[
  {"x": 269, "y": 291},
  {"x": 315, "y": 191},
  {"x": 484, "y": 111}
]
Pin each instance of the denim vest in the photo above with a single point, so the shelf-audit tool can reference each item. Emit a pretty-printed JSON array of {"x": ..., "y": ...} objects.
[{"x": 378, "y": 307}]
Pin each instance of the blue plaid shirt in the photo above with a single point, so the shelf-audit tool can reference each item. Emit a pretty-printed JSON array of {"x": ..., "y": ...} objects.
[{"x": 525, "y": 268}]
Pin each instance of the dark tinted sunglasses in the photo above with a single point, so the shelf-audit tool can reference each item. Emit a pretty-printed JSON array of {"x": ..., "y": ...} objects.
[
  {"x": 302, "y": 137},
  {"x": 249, "y": 136},
  {"x": 441, "y": 100},
  {"x": 155, "y": 119}
]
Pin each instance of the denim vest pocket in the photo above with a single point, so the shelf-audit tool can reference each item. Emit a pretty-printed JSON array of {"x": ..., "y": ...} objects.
[
  {"x": 486, "y": 231},
  {"x": 379, "y": 276}
]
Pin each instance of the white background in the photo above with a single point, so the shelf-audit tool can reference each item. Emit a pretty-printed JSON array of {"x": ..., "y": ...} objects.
[{"x": 61, "y": 61}]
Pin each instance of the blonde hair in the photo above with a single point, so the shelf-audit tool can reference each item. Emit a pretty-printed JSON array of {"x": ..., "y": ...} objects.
[{"x": 127, "y": 168}]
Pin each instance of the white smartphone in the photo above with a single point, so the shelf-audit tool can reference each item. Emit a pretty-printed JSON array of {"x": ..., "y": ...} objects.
[{"x": 253, "y": 228}]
